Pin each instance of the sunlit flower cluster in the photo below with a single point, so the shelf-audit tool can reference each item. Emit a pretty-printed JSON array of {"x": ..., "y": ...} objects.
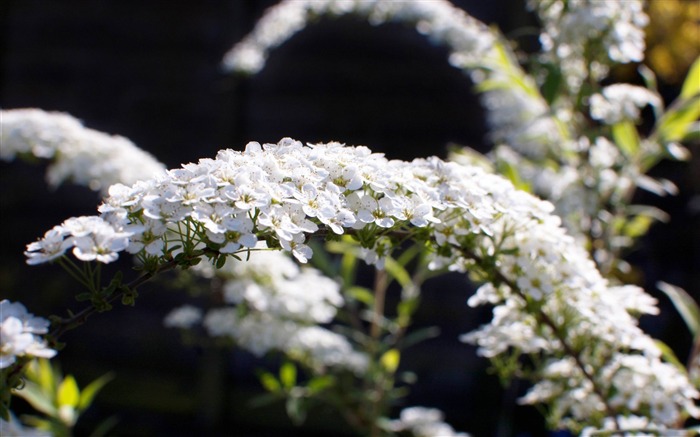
[
  {"x": 424, "y": 422},
  {"x": 575, "y": 29},
  {"x": 20, "y": 334},
  {"x": 78, "y": 154},
  {"x": 474, "y": 221},
  {"x": 278, "y": 306},
  {"x": 621, "y": 102},
  {"x": 438, "y": 19},
  {"x": 91, "y": 238},
  {"x": 517, "y": 114}
]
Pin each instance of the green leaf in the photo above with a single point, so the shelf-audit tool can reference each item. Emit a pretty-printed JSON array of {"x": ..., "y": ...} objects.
[
  {"x": 419, "y": 336},
  {"x": 397, "y": 272},
  {"x": 669, "y": 356},
  {"x": 88, "y": 393},
  {"x": 68, "y": 392},
  {"x": 220, "y": 261},
  {"x": 407, "y": 307},
  {"x": 678, "y": 120},
  {"x": 649, "y": 78},
  {"x": 638, "y": 226},
  {"x": 691, "y": 85},
  {"x": 269, "y": 381},
  {"x": 264, "y": 399},
  {"x": 552, "y": 83},
  {"x": 320, "y": 383},
  {"x": 390, "y": 360},
  {"x": 348, "y": 266},
  {"x": 361, "y": 294},
  {"x": 288, "y": 375},
  {"x": 511, "y": 173},
  {"x": 691, "y": 134},
  {"x": 46, "y": 377},
  {"x": 32, "y": 393},
  {"x": 626, "y": 137},
  {"x": 104, "y": 427},
  {"x": 684, "y": 303}
]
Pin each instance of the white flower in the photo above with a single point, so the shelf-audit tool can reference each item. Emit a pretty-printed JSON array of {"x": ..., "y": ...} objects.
[
  {"x": 183, "y": 317},
  {"x": 96, "y": 240},
  {"x": 476, "y": 222},
  {"x": 424, "y": 422},
  {"x": 84, "y": 156},
  {"x": 621, "y": 102},
  {"x": 15, "y": 428},
  {"x": 53, "y": 245},
  {"x": 19, "y": 331}
]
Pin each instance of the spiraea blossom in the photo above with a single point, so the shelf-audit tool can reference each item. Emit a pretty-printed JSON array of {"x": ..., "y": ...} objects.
[
  {"x": 621, "y": 102},
  {"x": 515, "y": 109},
  {"x": 611, "y": 31},
  {"x": 78, "y": 154},
  {"x": 544, "y": 285},
  {"x": 20, "y": 334},
  {"x": 278, "y": 307},
  {"x": 424, "y": 422}
]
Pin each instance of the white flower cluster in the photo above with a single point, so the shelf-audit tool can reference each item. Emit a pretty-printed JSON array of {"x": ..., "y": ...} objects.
[
  {"x": 576, "y": 29},
  {"x": 91, "y": 238},
  {"x": 636, "y": 373},
  {"x": 259, "y": 333},
  {"x": 631, "y": 426},
  {"x": 620, "y": 102},
  {"x": 20, "y": 334},
  {"x": 473, "y": 221},
  {"x": 81, "y": 155},
  {"x": 278, "y": 307},
  {"x": 438, "y": 19},
  {"x": 517, "y": 114},
  {"x": 424, "y": 422}
]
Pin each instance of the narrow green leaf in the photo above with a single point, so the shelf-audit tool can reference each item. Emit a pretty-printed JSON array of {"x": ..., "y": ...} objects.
[
  {"x": 288, "y": 375},
  {"x": 678, "y": 120},
  {"x": 626, "y": 137},
  {"x": 348, "y": 266},
  {"x": 361, "y": 294},
  {"x": 104, "y": 427},
  {"x": 320, "y": 383},
  {"x": 407, "y": 307},
  {"x": 511, "y": 173},
  {"x": 397, "y": 272},
  {"x": 691, "y": 85},
  {"x": 68, "y": 392},
  {"x": 33, "y": 393},
  {"x": 649, "y": 78},
  {"x": 685, "y": 305},
  {"x": 419, "y": 336},
  {"x": 552, "y": 83},
  {"x": 269, "y": 381},
  {"x": 264, "y": 399},
  {"x": 88, "y": 393},
  {"x": 390, "y": 360},
  {"x": 669, "y": 356},
  {"x": 220, "y": 261},
  {"x": 638, "y": 226}
]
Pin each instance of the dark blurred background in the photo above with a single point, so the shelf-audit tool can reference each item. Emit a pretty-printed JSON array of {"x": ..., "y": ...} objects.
[{"x": 150, "y": 71}]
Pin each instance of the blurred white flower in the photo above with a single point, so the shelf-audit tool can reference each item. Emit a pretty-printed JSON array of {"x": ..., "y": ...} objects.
[
  {"x": 20, "y": 334},
  {"x": 621, "y": 101},
  {"x": 424, "y": 422},
  {"x": 81, "y": 155}
]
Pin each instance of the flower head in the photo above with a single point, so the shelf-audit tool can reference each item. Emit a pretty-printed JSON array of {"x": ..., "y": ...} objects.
[{"x": 20, "y": 334}]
